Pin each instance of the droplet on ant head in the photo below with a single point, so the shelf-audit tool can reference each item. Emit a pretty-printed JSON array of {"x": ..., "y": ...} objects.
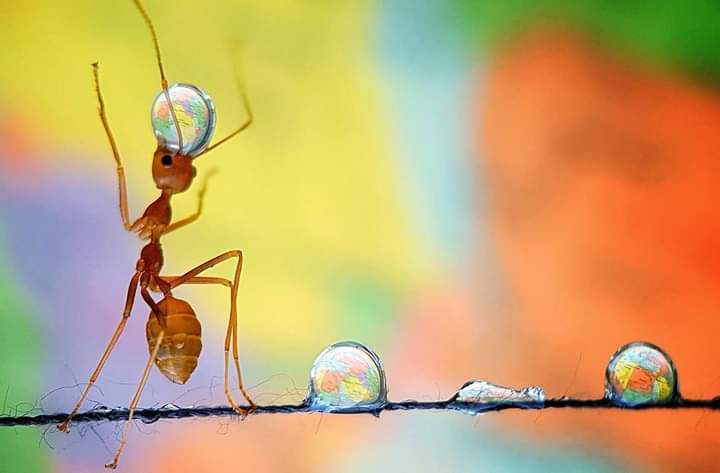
[{"x": 195, "y": 113}]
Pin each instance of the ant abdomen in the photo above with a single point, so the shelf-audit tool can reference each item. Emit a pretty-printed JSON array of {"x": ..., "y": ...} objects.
[{"x": 180, "y": 347}]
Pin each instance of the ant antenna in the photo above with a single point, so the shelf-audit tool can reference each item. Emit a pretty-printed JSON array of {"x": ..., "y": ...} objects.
[
  {"x": 248, "y": 111},
  {"x": 163, "y": 80}
]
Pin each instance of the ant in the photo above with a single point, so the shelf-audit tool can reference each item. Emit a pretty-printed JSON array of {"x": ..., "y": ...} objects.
[{"x": 183, "y": 119}]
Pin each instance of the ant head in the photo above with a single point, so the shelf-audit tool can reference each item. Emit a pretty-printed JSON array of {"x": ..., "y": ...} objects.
[{"x": 172, "y": 172}]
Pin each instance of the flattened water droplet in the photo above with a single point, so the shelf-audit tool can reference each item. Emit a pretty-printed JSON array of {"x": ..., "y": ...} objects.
[
  {"x": 346, "y": 376},
  {"x": 194, "y": 111},
  {"x": 640, "y": 373},
  {"x": 485, "y": 396}
]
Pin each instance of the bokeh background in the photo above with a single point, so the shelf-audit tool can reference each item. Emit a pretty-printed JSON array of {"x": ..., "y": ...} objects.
[{"x": 497, "y": 190}]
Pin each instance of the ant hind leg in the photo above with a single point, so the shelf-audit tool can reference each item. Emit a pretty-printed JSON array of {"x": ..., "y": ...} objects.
[
  {"x": 134, "y": 402},
  {"x": 190, "y": 277}
]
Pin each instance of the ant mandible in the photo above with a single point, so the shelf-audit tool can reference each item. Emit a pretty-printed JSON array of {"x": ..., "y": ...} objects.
[{"x": 173, "y": 330}]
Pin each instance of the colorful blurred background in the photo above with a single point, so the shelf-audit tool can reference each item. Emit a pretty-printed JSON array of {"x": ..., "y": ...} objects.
[{"x": 497, "y": 190}]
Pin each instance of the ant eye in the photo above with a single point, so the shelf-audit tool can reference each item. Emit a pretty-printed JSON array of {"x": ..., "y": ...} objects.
[
  {"x": 194, "y": 171},
  {"x": 166, "y": 160}
]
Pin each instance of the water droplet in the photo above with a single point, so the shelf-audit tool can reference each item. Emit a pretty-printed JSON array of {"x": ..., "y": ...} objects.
[
  {"x": 150, "y": 419},
  {"x": 194, "y": 111},
  {"x": 485, "y": 396},
  {"x": 640, "y": 373},
  {"x": 346, "y": 376},
  {"x": 171, "y": 407}
]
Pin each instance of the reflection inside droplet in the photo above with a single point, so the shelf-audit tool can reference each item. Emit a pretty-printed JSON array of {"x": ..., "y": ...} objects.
[
  {"x": 346, "y": 376},
  {"x": 640, "y": 373},
  {"x": 195, "y": 114},
  {"x": 487, "y": 396}
]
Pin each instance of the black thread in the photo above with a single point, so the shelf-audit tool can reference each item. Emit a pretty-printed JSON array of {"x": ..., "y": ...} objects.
[{"x": 153, "y": 415}]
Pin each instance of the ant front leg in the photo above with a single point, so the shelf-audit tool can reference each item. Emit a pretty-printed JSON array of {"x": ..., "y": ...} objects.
[
  {"x": 191, "y": 277},
  {"x": 201, "y": 197},
  {"x": 122, "y": 186},
  {"x": 129, "y": 300}
]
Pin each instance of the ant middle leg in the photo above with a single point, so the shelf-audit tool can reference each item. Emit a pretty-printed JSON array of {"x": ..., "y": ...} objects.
[
  {"x": 129, "y": 300},
  {"x": 146, "y": 372},
  {"x": 191, "y": 277},
  {"x": 228, "y": 336}
]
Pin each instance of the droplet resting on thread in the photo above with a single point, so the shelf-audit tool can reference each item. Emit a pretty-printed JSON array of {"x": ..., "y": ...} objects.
[
  {"x": 151, "y": 419},
  {"x": 347, "y": 377},
  {"x": 480, "y": 396},
  {"x": 640, "y": 373}
]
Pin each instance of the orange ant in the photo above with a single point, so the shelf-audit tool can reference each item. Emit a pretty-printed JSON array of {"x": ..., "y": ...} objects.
[{"x": 172, "y": 330}]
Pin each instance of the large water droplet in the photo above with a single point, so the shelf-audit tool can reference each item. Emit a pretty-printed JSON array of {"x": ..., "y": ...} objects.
[
  {"x": 482, "y": 396},
  {"x": 347, "y": 376},
  {"x": 195, "y": 114},
  {"x": 640, "y": 373}
]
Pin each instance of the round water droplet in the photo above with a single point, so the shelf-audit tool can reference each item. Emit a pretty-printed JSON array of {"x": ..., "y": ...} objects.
[
  {"x": 347, "y": 376},
  {"x": 640, "y": 373},
  {"x": 194, "y": 111}
]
